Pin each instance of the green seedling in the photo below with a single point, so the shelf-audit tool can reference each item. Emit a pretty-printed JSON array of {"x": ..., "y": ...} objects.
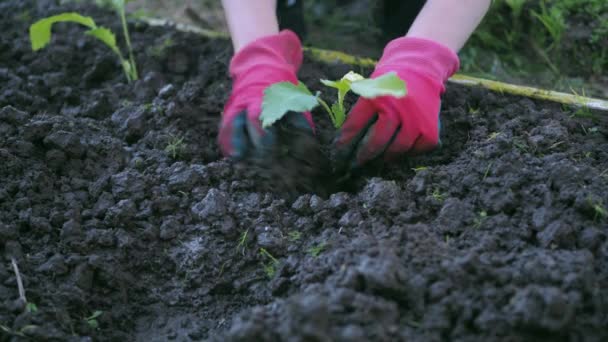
[
  {"x": 283, "y": 97},
  {"x": 481, "y": 217},
  {"x": 315, "y": 251},
  {"x": 473, "y": 110},
  {"x": 493, "y": 136},
  {"x": 92, "y": 320},
  {"x": 270, "y": 268},
  {"x": 40, "y": 35},
  {"x": 31, "y": 307},
  {"x": 294, "y": 236},
  {"x": 420, "y": 168},
  {"x": 437, "y": 195},
  {"x": 243, "y": 241},
  {"x": 487, "y": 172},
  {"x": 175, "y": 146},
  {"x": 600, "y": 212}
]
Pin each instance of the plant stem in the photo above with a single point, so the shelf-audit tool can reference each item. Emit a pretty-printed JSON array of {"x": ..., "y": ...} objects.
[
  {"x": 125, "y": 29},
  {"x": 329, "y": 111}
]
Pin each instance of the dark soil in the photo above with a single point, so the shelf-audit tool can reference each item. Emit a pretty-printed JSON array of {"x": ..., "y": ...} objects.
[{"x": 499, "y": 235}]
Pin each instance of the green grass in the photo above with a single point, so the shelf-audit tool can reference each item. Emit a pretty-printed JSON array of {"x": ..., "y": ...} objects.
[
  {"x": 175, "y": 147},
  {"x": 315, "y": 251}
]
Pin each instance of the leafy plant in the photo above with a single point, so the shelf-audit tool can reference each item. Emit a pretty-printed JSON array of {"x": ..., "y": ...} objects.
[
  {"x": 92, "y": 320},
  {"x": 40, "y": 35},
  {"x": 283, "y": 97}
]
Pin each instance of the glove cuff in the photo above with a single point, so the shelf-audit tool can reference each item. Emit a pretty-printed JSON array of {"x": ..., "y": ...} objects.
[
  {"x": 426, "y": 56},
  {"x": 282, "y": 50}
]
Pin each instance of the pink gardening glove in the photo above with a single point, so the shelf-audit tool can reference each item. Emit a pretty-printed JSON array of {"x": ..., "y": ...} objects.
[
  {"x": 388, "y": 126},
  {"x": 261, "y": 63}
]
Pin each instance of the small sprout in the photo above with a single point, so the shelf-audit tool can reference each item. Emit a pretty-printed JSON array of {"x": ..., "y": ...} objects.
[
  {"x": 481, "y": 217},
  {"x": 493, "y": 136},
  {"x": 40, "y": 35},
  {"x": 316, "y": 250},
  {"x": 437, "y": 195},
  {"x": 31, "y": 307},
  {"x": 243, "y": 241},
  {"x": 447, "y": 238},
  {"x": 473, "y": 110},
  {"x": 520, "y": 145},
  {"x": 175, "y": 146},
  {"x": 92, "y": 320},
  {"x": 283, "y": 97},
  {"x": 270, "y": 267},
  {"x": 419, "y": 168},
  {"x": 294, "y": 235},
  {"x": 487, "y": 172},
  {"x": 598, "y": 208}
]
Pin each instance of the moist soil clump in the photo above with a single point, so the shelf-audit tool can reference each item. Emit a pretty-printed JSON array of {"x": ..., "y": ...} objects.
[{"x": 126, "y": 223}]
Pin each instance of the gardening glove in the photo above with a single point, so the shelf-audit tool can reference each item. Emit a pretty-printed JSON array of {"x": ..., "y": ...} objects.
[
  {"x": 388, "y": 126},
  {"x": 258, "y": 65}
]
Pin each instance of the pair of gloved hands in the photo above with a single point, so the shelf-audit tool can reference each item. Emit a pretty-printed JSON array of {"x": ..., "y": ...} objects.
[{"x": 381, "y": 127}]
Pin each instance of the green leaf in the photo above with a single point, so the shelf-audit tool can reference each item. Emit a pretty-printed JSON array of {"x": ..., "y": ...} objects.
[
  {"x": 40, "y": 31},
  {"x": 95, "y": 314},
  {"x": 283, "y": 97},
  {"x": 105, "y": 36},
  {"x": 352, "y": 77},
  {"x": 342, "y": 85},
  {"x": 386, "y": 85}
]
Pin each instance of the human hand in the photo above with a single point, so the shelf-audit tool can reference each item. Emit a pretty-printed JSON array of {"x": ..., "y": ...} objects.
[
  {"x": 255, "y": 67},
  {"x": 387, "y": 126}
]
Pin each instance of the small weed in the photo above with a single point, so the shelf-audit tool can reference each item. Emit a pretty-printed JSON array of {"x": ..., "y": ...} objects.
[
  {"x": 493, "y": 136},
  {"x": 31, "y": 307},
  {"x": 92, "y": 320},
  {"x": 294, "y": 235},
  {"x": 419, "y": 168},
  {"x": 473, "y": 110},
  {"x": 485, "y": 174},
  {"x": 521, "y": 145},
  {"x": 438, "y": 195},
  {"x": 175, "y": 147},
  {"x": 243, "y": 241},
  {"x": 600, "y": 212},
  {"x": 481, "y": 217},
  {"x": 270, "y": 267},
  {"x": 315, "y": 251}
]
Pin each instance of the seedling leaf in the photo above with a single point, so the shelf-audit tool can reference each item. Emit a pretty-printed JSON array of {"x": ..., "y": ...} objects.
[
  {"x": 283, "y": 97},
  {"x": 386, "y": 85},
  {"x": 40, "y": 31},
  {"x": 106, "y": 36}
]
